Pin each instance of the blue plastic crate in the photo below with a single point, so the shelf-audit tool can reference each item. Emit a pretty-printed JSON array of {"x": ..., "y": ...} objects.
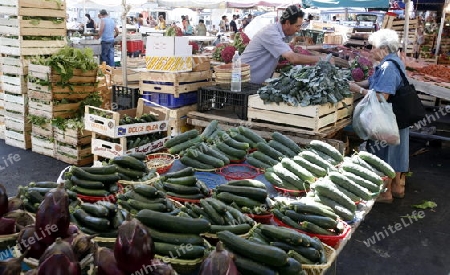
[{"x": 168, "y": 100}]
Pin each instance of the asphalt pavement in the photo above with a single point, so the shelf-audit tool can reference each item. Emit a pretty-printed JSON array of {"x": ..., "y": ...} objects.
[{"x": 393, "y": 239}]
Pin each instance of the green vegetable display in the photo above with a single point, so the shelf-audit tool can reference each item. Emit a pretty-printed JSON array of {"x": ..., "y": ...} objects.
[{"x": 308, "y": 85}]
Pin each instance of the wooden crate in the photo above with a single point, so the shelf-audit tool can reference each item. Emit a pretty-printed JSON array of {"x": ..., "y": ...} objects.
[
  {"x": 32, "y": 27},
  {"x": 174, "y": 83},
  {"x": 76, "y": 155},
  {"x": 117, "y": 79},
  {"x": 101, "y": 147},
  {"x": 178, "y": 118},
  {"x": 57, "y": 92},
  {"x": 45, "y": 130},
  {"x": 42, "y": 8},
  {"x": 22, "y": 47},
  {"x": 17, "y": 124},
  {"x": 313, "y": 118},
  {"x": 73, "y": 137},
  {"x": 15, "y": 84},
  {"x": 51, "y": 110},
  {"x": 2, "y": 131},
  {"x": 48, "y": 74},
  {"x": 42, "y": 145},
  {"x": 345, "y": 109},
  {"x": 16, "y": 106},
  {"x": 14, "y": 65},
  {"x": 18, "y": 139}
]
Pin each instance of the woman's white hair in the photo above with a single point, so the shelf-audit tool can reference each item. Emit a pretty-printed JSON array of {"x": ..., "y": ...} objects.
[{"x": 385, "y": 38}]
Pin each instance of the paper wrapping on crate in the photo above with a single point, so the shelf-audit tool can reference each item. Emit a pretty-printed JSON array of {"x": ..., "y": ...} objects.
[{"x": 169, "y": 63}]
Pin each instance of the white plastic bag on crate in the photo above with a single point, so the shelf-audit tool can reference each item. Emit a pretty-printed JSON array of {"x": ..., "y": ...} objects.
[{"x": 374, "y": 119}]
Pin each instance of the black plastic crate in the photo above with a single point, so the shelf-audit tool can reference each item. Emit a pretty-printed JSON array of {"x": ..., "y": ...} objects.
[
  {"x": 220, "y": 97},
  {"x": 124, "y": 98}
]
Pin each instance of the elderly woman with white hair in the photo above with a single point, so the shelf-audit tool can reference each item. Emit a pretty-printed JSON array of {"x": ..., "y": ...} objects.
[{"x": 385, "y": 81}]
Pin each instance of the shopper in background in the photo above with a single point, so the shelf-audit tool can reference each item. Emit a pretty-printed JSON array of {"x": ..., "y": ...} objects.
[
  {"x": 201, "y": 28},
  {"x": 233, "y": 25},
  {"x": 107, "y": 32},
  {"x": 140, "y": 20},
  {"x": 189, "y": 30},
  {"x": 151, "y": 22},
  {"x": 267, "y": 46},
  {"x": 161, "y": 23},
  {"x": 385, "y": 81},
  {"x": 223, "y": 25},
  {"x": 90, "y": 24}
]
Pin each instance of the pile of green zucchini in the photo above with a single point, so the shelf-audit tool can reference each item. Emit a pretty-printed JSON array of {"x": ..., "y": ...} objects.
[
  {"x": 183, "y": 184},
  {"x": 273, "y": 250},
  {"x": 143, "y": 196},
  {"x": 144, "y": 118},
  {"x": 221, "y": 216},
  {"x": 247, "y": 196},
  {"x": 102, "y": 218},
  {"x": 33, "y": 194},
  {"x": 270, "y": 153},
  {"x": 93, "y": 181},
  {"x": 309, "y": 216},
  {"x": 171, "y": 234}
]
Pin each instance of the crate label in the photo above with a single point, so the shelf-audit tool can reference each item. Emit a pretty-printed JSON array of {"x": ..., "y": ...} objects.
[
  {"x": 111, "y": 150},
  {"x": 141, "y": 128},
  {"x": 149, "y": 147}
]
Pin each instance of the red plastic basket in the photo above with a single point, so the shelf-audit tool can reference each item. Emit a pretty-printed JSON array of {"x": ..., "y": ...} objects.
[
  {"x": 239, "y": 172},
  {"x": 111, "y": 198},
  {"x": 291, "y": 193},
  {"x": 332, "y": 241},
  {"x": 161, "y": 161},
  {"x": 264, "y": 219}
]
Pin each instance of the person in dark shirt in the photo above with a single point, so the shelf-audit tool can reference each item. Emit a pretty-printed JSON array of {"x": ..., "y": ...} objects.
[
  {"x": 233, "y": 25},
  {"x": 90, "y": 22}
]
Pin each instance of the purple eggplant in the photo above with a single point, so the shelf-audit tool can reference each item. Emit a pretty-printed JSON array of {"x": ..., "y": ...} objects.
[
  {"x": 59, "y": 264},
  {"x": 105, "y": 262},
  {"x": 134, "y": 247},
  {"x": 3, "y": 201},
  {"x": 29, "y": 241},
  {"x": 53, "y": 217},
  {"x": 7, "y": 226}
]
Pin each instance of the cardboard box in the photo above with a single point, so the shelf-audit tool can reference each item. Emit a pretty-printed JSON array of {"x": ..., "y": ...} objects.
[
  {"x": 108, "y": 122},
  {"x": 169, "y": 63},
  {"x": 168, "y": 46}
]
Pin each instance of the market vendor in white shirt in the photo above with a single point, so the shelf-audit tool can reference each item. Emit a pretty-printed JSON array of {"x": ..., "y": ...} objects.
[{"x": 268, "y": 45}]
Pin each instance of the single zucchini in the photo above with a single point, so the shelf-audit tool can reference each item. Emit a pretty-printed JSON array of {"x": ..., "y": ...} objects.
[
  {"x": 247, "y": 183},
  {"x": 186, "y": 181},
  {"x": 298, "y": 170},
  {"x": 240, "y": 154},
  {"x": 257, "y": 194},
  {"x": 377, "y": 163},
  {"x": 234, "y": 143},
  {"x": 195, "y": 163},
  {"x": 95, "y": 209},
  {"x": 327, "y": 149},
  {"x": 257, "y": 163},
  {"x": 308, "y": 252},
  {"x": 249, "y": 267},
  {"x": 184, "y": 196},
  {"x": 43, "y": 184},
  {"x": 283, "y": 234},
  {"x": 145, "y": 190},
  {"x": 133, "y": 174},
  {"x": 175, "y": 238},
  {"x": 188, "y": 171},
  {"x": 317, "y": 160},
  {"x": 241, "y": 138},
  {"x": 362, "y": 172},
  {"x": 139, "y": 205},
  {"x": 89, "y": 184},
  {"x": 311, "y": 167},
  {"x": 325, "y": 222},
  {"x": 313, "y": 208},
  {"x": 241, "y": 201},
  {"x": 370, "y": 186},
  {"x": 185, "y": 145},
  {"x": 300, "y": 258},
  {"x": 281, "y": 148},
  {"x": 206, "y": 159},
  {"x": 91, "y": 192},
  {"x": 264, "y": 254},
  {"x": 269, "y": 151},
  {"x": 181, "y": 189},
  {"x": 81, "y": 174},
  {"x": 316, "y": 229},
  {"x": 211, "y": 128},
  {"x": 95, "y": 223},
  {"x": 264, "y": 158},
  {"x": 179, "y": 251},
  {"x": 130, "y": 162},
  {"x": 250, "y": 134}
]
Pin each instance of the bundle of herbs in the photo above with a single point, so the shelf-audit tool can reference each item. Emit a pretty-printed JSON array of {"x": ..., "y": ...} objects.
[{"x": 308, "y": 85}]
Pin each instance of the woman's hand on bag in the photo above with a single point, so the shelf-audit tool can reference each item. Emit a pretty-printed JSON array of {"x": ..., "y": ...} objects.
[{"x": 354, "y": 88}]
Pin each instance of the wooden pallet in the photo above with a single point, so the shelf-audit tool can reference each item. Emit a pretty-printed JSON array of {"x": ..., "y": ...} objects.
[
  {"x": 399, "y": 27},
  {"x": 14, "y": 65},
  {"x": 77, "y": 155},
  {"x": 18, "y": 139},
  {"x": 16, "y": 106},
  {"x": 175, "y": 83},
  {"x": 301, "y": 137},
  {"x": 33, "y": 8},
  {"x": 51, "y": 110},
  {"x": 42, "y": 145},
  {"x": 15, "y": 84},
  {"x": 57, "y": 92},
  {"x": 315, "y": 118},
  {"x": 17, "y": 124},
  {"x": 45, "y": 130},
  {"x": 22, "y": 47},
  {"x": 32, "y": 27}
]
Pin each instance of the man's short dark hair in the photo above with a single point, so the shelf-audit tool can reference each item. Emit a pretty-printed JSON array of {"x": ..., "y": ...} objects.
[
  {"x": 103, "y": 12},
  {"x": 291, "y": 14},
  {"x": 201, "y": 21}
]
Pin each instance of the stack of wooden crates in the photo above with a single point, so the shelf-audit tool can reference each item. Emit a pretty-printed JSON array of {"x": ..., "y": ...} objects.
[
  {"x": 49, "y": 99},
  {"x": 389, "y": 22},
  {"x": 29, "y": 28}
]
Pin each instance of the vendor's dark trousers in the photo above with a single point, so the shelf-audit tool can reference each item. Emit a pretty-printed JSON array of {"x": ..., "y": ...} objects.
[{"x": 107, "y": 53}]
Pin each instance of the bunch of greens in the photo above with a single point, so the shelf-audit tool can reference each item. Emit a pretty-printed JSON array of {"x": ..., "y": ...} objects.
[
  {"x": 308, "y": 85},
  {"x": 66, "y": 60}
]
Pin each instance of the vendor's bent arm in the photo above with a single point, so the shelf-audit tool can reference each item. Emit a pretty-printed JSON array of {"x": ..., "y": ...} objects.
[{"x": 300, "y": 59}]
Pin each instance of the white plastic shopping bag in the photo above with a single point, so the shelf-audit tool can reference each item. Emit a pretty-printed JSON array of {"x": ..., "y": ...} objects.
[{"x": 374, "y": 119}]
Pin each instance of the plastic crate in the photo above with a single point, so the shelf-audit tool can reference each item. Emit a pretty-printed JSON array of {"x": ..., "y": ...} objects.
[
  {"x": 169, "y": 100},
  {"x": 124, "y": 97},
  {"x": 220, "y": 97},
  {"x": 135, "y": 46}
]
